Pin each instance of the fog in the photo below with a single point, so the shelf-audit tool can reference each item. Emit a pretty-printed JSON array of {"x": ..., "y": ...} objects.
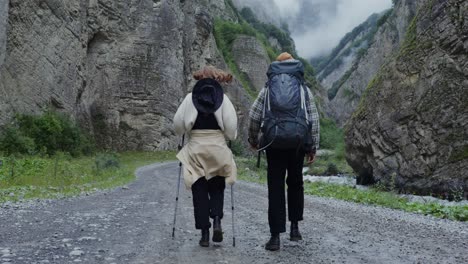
[{"x": 316, "y": 25}]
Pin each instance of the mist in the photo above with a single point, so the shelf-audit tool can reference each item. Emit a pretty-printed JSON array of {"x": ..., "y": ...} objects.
[{"x": 316, "y": 26}]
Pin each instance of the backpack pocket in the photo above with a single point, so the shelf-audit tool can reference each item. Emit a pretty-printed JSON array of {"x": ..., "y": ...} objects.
[{"x": 285, "y": 133}]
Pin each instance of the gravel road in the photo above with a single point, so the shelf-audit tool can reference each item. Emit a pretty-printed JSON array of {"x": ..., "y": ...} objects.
[{"x": 133, "y": 225}]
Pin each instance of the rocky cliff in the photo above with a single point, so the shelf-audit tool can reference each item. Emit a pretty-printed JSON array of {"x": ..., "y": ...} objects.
[
  {"x": 410, "y": 131},
  {"x": 251, "y": 59},
  {"x": 385, "y": 43},
  {"x": 119, "y": 67},
  {"x": 3, "y": 29},
  {"x": 331, "y": 68}
]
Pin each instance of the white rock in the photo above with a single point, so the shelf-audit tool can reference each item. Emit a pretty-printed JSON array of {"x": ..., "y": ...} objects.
[
  {"x": 87, "y": 239},
  {"x": 76, "y": 253}
]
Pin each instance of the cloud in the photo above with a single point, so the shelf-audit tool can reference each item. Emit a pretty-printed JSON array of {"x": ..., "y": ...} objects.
[
  {"x": 317, "y": 26},
  {"x": 288, "y": 8},
  {"x": 321, "y": 39}
]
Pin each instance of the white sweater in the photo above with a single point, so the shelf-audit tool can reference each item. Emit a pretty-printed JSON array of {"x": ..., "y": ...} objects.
[{"x": 187, "y": 114}]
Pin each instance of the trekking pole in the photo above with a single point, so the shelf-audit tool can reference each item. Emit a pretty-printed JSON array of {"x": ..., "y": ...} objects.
[
  {"x": 232, "y": 206},
  {"x": 178, "y": 187},
  {"x": 258, "y": 158}
]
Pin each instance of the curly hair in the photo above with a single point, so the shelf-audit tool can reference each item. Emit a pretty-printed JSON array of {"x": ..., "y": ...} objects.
[{"x": 213, "y": 73}]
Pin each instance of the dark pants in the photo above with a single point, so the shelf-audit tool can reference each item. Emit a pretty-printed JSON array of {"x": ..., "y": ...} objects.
[
  {"x": 280, "y": 161},
  {"x": 208, "y": 200}
]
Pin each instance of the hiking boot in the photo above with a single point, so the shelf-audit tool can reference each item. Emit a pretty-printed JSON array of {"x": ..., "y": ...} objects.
[
  {"x": 205, "y": 238},
  {"x": 295, "y": 235},
  {"x": 274, "y": 243},
  {"x": 217, "y": 231}
]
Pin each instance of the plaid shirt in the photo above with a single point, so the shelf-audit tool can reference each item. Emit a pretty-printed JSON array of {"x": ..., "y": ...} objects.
[{"x": 256, "y": 113}]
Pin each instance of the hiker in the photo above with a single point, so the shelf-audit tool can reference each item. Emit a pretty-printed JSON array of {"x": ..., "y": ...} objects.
[
  {"x": 207, "y": 116},
  {"x": 285, "y": 114}
]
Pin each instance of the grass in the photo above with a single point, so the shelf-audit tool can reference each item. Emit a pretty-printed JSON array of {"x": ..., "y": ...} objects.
[
  {"x": 374, "y": 196},
  {"x": 31, "y": 177},
  {"x": 248, "y": 171},
  {"x": 331, "y": 138},
  {"x": 225, "y": 33}
]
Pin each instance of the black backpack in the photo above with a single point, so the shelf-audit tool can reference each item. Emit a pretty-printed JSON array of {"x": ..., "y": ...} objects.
[{"x": 285, "y": 123}]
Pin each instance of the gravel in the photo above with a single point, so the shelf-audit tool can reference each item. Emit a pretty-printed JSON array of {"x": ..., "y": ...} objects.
[{"x": 134, "y": 225}]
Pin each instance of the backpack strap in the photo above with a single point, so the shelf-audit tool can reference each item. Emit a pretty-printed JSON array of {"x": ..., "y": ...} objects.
[{"x": 304, "y": 101}]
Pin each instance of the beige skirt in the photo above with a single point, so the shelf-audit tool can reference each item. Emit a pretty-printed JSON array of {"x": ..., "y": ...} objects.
[{"x": 207, "y": 155}]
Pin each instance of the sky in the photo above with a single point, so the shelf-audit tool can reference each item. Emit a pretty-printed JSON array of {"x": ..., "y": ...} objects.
[{"x": 317, "y": 26}]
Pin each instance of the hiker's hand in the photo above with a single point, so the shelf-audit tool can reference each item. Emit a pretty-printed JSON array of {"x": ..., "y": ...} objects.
[
  {"x": 254, "y": 147},
  {"x": 310, "y": 158}
]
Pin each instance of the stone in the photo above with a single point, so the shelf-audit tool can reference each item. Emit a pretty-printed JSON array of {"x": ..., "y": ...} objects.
[
  {"x": 81, "y": 239},
  {"x": 76, "y": 252}
]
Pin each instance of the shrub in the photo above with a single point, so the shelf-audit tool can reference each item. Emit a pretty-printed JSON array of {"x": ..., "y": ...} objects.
[
  {"x": 332, "y": 169},
  {"x": 12, "y": 141},
  {"x": 107, "y": 160},
  {"x": 237, "y": 148},
  {"x": 47, "y": 133},
  {"x": 330, "y": 135}
]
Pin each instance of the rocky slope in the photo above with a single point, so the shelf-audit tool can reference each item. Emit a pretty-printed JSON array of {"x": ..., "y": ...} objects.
[
  {"x": 386, "y": 42},
  {"x": 251, "y": 59},
  {"x": 331, "y": 68},
  {"x": 410, "y": 131},
  {"x": 119, "y": 67},
  {"x": 3, "y": 32}
]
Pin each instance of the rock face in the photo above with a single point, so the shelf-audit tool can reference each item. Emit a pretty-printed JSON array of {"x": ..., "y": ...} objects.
[
  {"x": 3, "y": 29},
  {"x": 251, "y": 59},
  {"x": 411, "y": 129},
  {"x": 386, "y": 42},
  {"x": 119, "y": 67},
  {"x": 339, "y": 62}
]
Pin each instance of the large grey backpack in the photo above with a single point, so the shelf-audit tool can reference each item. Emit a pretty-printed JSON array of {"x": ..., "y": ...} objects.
[{"x": 285, "y": 123}]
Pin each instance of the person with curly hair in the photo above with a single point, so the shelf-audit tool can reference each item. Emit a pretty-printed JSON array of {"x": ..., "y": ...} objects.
[{"x": 208, "y": 117}]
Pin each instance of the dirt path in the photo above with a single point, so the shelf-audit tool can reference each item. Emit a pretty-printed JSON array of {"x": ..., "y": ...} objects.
[{"x": 134, "y": 226}]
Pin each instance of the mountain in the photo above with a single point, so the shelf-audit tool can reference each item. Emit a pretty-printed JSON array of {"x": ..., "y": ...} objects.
[
  {"x": 384, "y": 40},
  {"x": 410, "y": 130},
  {"x": 120, "y": 68},
  {"x": 352, "y": 46}
]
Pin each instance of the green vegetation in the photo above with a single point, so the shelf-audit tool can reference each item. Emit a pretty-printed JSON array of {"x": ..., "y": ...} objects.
[
  {"x": 247, "y": 169},
  {"x": 328, "y": 64},
  {"x": 332, "y": 92},
  {"x": 350, "y": 94},
  {"x": 48, "y": 133},
  {"x": 374, "y": 196},
  {"x": 410, "y": 42},
  {"x": 331, "y": 62},
  {"x": 376, "y": 81},
  {"x": 460, "y": 154},
  {"x": 28, "y": 177},
  {"x": 270, "y": 30},
  {"x": 333, "y": 162},
  {"x": 49, "y": 156},
  {"x": 226, "y": 32},
  {"x": 386, "y": 199}
]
